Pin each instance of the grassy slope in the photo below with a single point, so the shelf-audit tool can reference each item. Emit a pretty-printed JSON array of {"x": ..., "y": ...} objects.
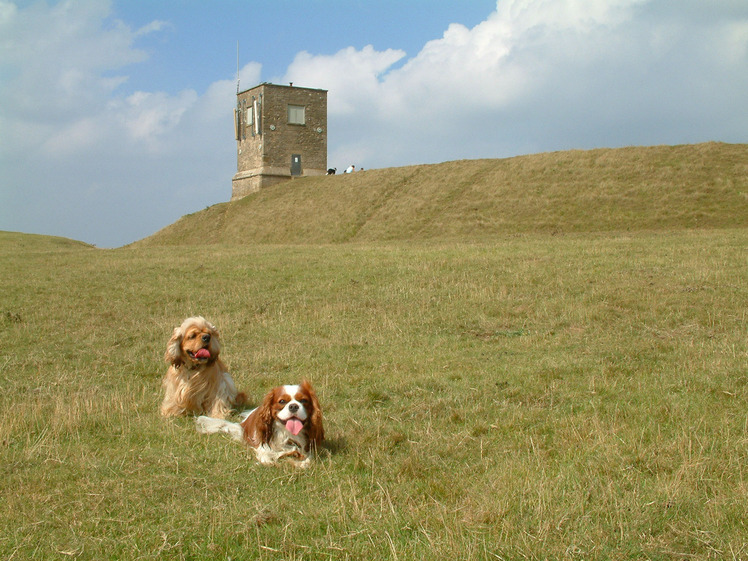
[
  {"x": 546, "y": 397},
  {"x": 627, "y": 189},
  {"x": 35, "y": 243}
]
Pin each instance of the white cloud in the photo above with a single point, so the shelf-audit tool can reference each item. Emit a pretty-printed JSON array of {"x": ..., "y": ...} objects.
[
  {"x": 351, "y": 76},
  {"x": 149, "y": 117},
  {"x": 535, "y": 75},
  {"x": 72, "y": 139},
  {"x": 72, "y": 142},
  {"x": 7, "y": 12},
  {"x": 544, "y": 75},
  {"x": 54, "y": 61},
  {"x": 152, "y": 27}
]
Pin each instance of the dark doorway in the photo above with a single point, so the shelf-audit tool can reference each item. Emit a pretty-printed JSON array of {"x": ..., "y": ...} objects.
[{"x": 296, "y": 164}]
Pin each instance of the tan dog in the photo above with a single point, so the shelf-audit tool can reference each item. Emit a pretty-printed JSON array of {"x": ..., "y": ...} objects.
[{"x": 197, "y": 380}]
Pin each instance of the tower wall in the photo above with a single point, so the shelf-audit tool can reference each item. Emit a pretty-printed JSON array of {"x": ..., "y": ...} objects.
[{"x": 271, "y": 137}]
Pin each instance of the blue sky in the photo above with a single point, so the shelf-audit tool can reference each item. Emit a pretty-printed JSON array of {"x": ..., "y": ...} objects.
[
  {"x": 200, "y": 38},
  {"x": 116, "y": 116}
]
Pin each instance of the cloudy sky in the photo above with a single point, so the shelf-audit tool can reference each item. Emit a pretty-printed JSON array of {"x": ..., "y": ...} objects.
[{"x": 116, "y": 115}]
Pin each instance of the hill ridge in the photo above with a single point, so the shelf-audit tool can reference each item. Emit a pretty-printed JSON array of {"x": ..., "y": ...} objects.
[{"x": 604, "y": 189}]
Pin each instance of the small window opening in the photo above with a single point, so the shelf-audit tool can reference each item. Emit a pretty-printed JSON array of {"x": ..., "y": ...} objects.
[{"x": 296, "y": 115}]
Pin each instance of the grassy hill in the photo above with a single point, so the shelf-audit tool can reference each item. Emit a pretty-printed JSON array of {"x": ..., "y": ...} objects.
[
  {"x": 17, "y": 241},
  {"x": 625, "y": 189},
  {"x": 547, "y": 397}
]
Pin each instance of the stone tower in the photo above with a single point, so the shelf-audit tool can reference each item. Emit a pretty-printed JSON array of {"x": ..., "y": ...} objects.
[{"x": 281, "y": 133}]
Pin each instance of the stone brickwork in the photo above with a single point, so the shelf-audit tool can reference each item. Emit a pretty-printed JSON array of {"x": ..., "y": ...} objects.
[{"x": 281, "y": 133}]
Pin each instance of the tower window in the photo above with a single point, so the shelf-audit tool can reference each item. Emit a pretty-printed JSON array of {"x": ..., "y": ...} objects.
[{"x": 296, "y": 115}]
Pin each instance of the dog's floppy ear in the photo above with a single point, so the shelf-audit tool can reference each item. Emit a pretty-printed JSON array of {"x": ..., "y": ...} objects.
[
  {"x": 173, "y": 353},
  {"x": 316, "y": 430},
  {"x": 265, "y": 424},
  {"x": 215, "y": 337}
]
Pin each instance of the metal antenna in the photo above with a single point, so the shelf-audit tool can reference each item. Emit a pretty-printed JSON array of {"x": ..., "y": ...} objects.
[{"x": 237, "y": 67}]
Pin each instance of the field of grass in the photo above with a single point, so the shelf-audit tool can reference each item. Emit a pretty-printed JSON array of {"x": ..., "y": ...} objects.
[{"x": 531, "y": 396}]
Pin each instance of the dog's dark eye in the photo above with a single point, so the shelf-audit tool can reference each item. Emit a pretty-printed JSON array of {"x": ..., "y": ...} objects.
[
  {"x": 192, "y": 336},
  {"x": 304, "y": 401},
  {"x": 282, "y": 401}
]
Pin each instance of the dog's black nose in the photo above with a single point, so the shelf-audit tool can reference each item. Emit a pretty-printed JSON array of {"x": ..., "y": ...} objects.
[
  {"x": 206, "y": 337},
  {"x": 293, "y": 408}
]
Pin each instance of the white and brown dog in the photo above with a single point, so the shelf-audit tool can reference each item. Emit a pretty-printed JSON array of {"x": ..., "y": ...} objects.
[
  {"x": 197, "y": 380},
  {"x": 288, "y": 424}
]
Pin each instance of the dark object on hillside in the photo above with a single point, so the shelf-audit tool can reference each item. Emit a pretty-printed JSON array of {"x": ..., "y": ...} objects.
[{"x": 332, "y": 171}]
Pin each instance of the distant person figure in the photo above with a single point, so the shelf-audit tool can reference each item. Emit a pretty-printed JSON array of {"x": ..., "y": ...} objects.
[
  {"x": 350, "y": 169},
  {"x": 332, "y": 171}
]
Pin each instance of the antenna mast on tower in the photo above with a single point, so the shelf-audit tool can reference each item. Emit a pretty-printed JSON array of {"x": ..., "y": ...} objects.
[{"x": 237, "y": 67}]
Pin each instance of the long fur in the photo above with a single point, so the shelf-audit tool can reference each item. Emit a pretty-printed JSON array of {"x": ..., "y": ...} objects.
[
  {"x": 209, "y": 425},
  {"x": 197, "y": 385},
  {"x": 263, "y": 428}
]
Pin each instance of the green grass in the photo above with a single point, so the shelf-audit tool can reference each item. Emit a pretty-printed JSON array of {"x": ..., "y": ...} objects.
[
  {"x": 632, "y": 189},
  {"x": 535, "y": 358},
  {"x": 530, "y": 396}
]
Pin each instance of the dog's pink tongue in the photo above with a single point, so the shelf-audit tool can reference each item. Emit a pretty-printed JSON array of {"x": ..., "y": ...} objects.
[
  {"x": 202, "y": 353},
  {"x": 294, "y": 426}
]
